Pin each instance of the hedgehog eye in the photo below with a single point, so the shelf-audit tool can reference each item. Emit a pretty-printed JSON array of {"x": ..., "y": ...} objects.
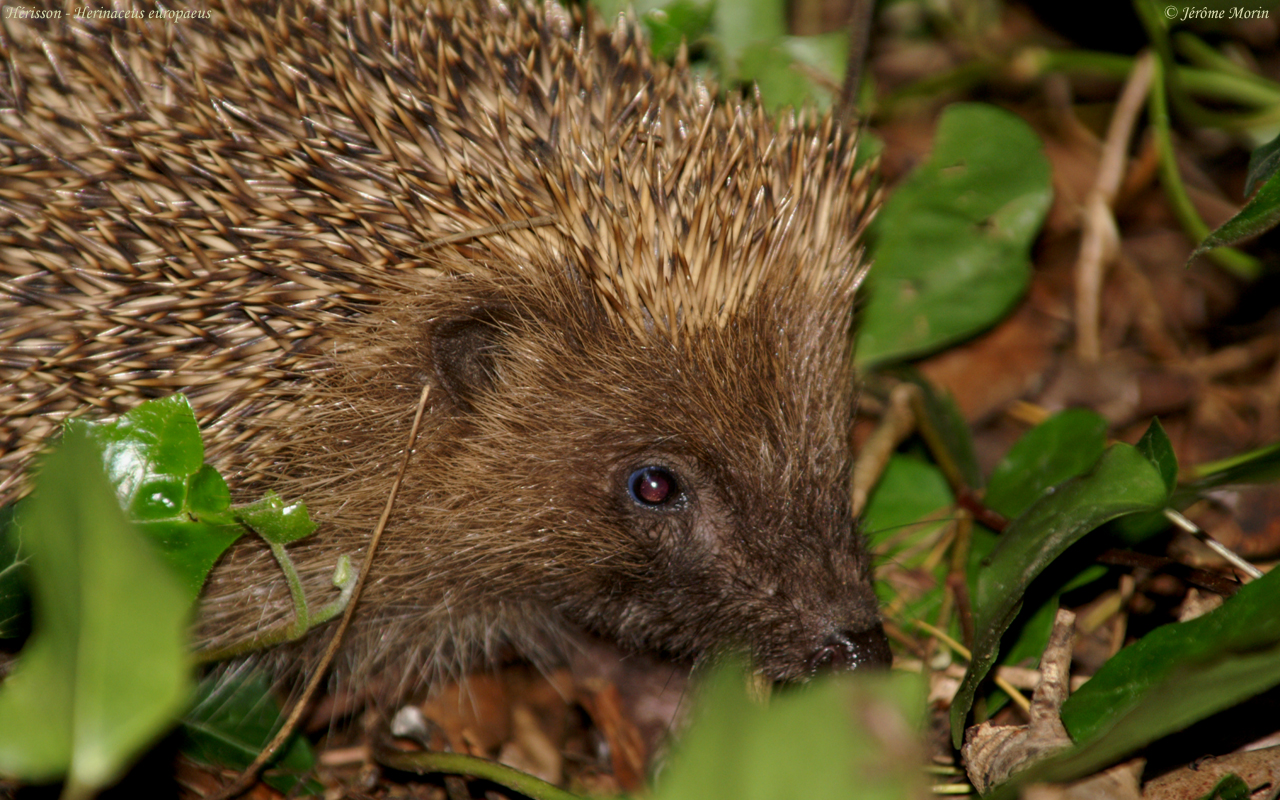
[{"x": 652, "y": 486}]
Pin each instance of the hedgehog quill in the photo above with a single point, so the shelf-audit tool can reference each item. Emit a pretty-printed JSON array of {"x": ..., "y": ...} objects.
[{"x": 632, "y": 303}]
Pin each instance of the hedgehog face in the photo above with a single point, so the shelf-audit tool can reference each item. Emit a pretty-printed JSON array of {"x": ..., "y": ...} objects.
[
  {"x": 737, "y": 556},
  {"x": 676, "y": 496},
  {"x": 737, "y": 506}
]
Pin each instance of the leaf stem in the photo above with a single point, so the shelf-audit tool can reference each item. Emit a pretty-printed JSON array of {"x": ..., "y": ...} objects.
[
  {"x": 345, "y": 580},
  {"x": 1217, "y": 84},
  {"x": 301, "y": 614},
  {"x": 1234, "y": 261},
  {"x": 428, "y": 762},
  {"x": 1208, "y": 469}
]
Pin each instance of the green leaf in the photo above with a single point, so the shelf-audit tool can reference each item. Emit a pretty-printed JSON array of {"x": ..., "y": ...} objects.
[
  {"x": 1155, "y": 445},
  {"x": 1026, "y": 637},
  {"x": 276, "y": 522},
  {"x": 773, "y": 71},
  {"x": 234, "y": 717},
  {"x": 609, "y": 9},
  {"x": 840, "y": 737},
  {"x": 155, "y": 459},
  {"x": 1033, "y": 626},
  {"x": 1259, "y": 215},
  {"x": 954, "y": 240},
  {"x": 943, "y": 417},
  {"x": 1245, "y": 623},
  {"x": 740, "y": 24},
  {"x": 825, "y": 54},
  {"x": 1173, "y": 677},
  {"x": 1264, "y": 162},
  {"x": 1123, "y": 482},
  {"x": 149, "y": 453},
  {"x": 1258, "y": 466},
  {"x": 909, "y": 492},
  {"x": 191, "y": 548},
  {"x": 1063, "y": 446},
  {"x": 105, "y": 669},
  {"x": 15, "y": 600},
  {"x": 207, "y": 495},
  {"x": 785, "y": 69},
  {"x": 1231, "y": 787},
  {"x": 676, "y": 22}
]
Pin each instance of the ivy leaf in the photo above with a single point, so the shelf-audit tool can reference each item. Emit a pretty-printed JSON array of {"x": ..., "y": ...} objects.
[
  {"x": 15, "y": 599},
  {"x": 155, "y": 458},
  {"x": 275, "y": 521},
  {"x": 233, "y": 719},
  {"x": 105, "y": 668},
  {"x": 1063, "y": 446},
  {"x": 954, "y": 240}
]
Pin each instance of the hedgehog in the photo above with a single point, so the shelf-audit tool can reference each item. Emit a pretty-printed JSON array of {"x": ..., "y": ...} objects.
[{"x": 631, "y": 300}]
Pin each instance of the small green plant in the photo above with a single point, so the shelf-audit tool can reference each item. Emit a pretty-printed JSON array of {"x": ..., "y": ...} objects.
[
  {"x": 1060, "y": 485},
  {"x": 112, "y": 548}
]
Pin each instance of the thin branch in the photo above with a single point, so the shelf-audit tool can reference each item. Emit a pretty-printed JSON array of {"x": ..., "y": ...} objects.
[{"x": 1100, "y": 239}]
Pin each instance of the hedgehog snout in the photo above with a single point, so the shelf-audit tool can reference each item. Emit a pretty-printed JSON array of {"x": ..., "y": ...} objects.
[{"x": 852, "y": 649}]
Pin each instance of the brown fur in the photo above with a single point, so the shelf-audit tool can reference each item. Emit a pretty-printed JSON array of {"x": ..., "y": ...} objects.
[{"x": 300, "y": 212}]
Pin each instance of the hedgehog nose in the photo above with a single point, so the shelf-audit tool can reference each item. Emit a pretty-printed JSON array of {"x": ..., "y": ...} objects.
[{"x": 848, "y": 650}]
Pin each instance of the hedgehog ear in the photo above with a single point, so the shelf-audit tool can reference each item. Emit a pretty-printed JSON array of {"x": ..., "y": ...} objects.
[{"x": 466, "y": 351}]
